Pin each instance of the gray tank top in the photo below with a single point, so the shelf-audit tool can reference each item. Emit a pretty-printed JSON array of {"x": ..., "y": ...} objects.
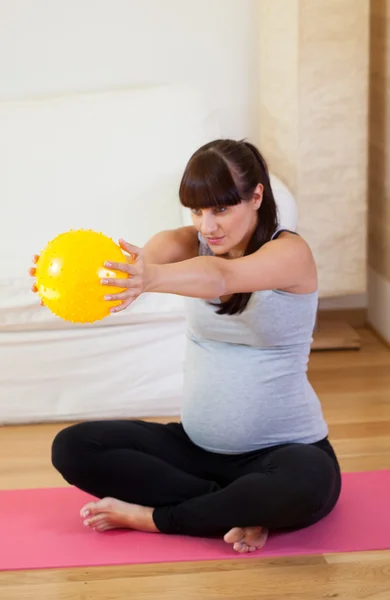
[{"x": 245, "y": 375}]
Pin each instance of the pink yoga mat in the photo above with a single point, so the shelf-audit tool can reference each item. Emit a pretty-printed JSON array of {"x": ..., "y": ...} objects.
[{"x": 42, "y": 529}]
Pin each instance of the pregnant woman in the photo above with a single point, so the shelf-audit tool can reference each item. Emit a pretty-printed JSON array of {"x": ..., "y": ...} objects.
[{"x": 251, "y": 452}]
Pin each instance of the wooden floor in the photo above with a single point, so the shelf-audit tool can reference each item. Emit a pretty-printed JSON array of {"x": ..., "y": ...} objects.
[{"x": 354, "y": 387}]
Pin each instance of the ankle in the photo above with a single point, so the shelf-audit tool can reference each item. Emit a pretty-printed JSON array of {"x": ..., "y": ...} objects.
[{"x": 145, "y": 519}]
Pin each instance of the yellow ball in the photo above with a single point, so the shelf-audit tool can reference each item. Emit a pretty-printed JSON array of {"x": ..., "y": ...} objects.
[{"x": 69, "y": 273}]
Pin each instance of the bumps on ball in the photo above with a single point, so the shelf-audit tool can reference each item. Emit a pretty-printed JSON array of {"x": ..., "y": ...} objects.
[{"x": 69, "y": 273}]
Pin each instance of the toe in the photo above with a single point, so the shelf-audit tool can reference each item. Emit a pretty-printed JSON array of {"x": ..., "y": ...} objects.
[
  {"x": 94, "y": 521},
  {"x": 234, "y": 535},
  {"x": 87, "y": 523},
  {"x": 240, "y": 547},
  {"x": 102, "y": 526},
  {"x": 87, "y": 510},
  {"x": 93, "y": 508}
]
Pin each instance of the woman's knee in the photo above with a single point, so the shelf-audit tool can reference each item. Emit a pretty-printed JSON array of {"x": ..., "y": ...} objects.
[
  {"x": 311, "y": 474},
  {"x": 67, "y": 449}
]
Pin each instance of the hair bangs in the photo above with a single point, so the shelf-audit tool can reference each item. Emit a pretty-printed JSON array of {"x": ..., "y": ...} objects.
[{"x": 208, "y": 183}]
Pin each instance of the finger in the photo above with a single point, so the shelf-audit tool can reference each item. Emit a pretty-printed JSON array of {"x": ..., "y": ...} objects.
[
  {"x": 122, "y": 296},
  {"x": 129, "y": 248},
  {"x": 122, "y": 306},
  {"x": 124, "y": 267},
  {"x": 120, "y": 283},
  {"x": 131, "y": 259},
  {"x": 35, "y": 258},
  {"x": 32, "y": 271},
  {"x": 34, "y": 288}
]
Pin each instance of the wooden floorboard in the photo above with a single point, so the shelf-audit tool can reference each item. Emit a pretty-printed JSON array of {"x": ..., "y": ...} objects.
[{"x": 354, "y": 387}]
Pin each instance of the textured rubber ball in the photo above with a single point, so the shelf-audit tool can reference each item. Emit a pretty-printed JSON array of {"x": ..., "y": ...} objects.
[{"x": 69, "y": 273}]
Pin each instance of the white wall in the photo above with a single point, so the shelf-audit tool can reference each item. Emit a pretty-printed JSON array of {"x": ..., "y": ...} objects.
[
  {"x": 57, "y": 46},
  {"x": 379, "y": 303}
]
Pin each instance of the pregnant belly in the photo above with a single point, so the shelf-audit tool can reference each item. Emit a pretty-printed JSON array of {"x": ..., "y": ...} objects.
[{"x": 243, "y": 399}]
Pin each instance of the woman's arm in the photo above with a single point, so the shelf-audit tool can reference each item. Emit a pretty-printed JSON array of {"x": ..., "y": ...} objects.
[{"x": 285, "y": 263}]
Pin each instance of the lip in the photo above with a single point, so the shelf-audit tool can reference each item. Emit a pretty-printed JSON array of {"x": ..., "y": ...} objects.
[{"x": 215, "y": 241}]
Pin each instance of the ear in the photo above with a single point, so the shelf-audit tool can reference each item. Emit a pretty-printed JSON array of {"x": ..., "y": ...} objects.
[{"x": 258, "y": 196}]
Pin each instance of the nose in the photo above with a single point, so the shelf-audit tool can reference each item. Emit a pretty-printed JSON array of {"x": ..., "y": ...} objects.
[{"x": 208, "y": 223}]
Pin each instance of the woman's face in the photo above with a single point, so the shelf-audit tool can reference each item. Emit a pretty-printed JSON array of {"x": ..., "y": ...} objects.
[{"x": 227, "y": 230}]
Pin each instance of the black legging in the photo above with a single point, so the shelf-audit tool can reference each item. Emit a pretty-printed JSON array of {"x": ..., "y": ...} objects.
[{"x": 195, "y": 492}]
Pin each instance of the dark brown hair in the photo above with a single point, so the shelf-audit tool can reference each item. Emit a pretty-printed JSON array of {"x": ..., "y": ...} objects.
[{"x": 224, "y": 173}]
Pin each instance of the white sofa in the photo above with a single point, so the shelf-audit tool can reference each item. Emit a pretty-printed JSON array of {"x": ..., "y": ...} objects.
[{"x": 110, "y": 162}]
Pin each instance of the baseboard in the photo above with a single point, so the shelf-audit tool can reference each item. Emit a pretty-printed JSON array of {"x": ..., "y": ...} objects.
[
  {"x": 337, "y": 329},
  {"x": 355, "y": 317},
  {"x": 379, "y": 305},
  {"x": 344, "y": 302},
  {"x": 335, "y": 335}
]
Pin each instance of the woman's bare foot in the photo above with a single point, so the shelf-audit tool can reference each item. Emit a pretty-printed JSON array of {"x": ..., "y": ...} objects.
[
  {"x": 246, "y": 539},
  {"x": 110, "y": 513}
]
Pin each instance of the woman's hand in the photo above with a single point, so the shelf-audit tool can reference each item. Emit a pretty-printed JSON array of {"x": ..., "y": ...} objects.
[{"x": 135, "y": 284}]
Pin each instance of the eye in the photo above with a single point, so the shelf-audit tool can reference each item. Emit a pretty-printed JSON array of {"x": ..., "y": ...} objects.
[
  {"x": 195, "y": 211},
  {"x": 220, "y": 209}
]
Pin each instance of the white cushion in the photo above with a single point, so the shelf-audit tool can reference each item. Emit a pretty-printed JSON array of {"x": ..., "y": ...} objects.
[
  {"x": 107, "y": 372},
  {"x": 20, "y": 310},
  {"x": 285, "y": 203}
]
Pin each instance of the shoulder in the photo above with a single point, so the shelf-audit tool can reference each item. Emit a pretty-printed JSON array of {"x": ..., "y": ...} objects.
[
  {"x": 173, "y": 245},
  {"x": 185, "y": 240},
  {"x": 186, "y": 234},
  {"x": 289, "y": 241},
  {"x": 292, "y": 249},
  {"x": 284, "y": 263}
]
